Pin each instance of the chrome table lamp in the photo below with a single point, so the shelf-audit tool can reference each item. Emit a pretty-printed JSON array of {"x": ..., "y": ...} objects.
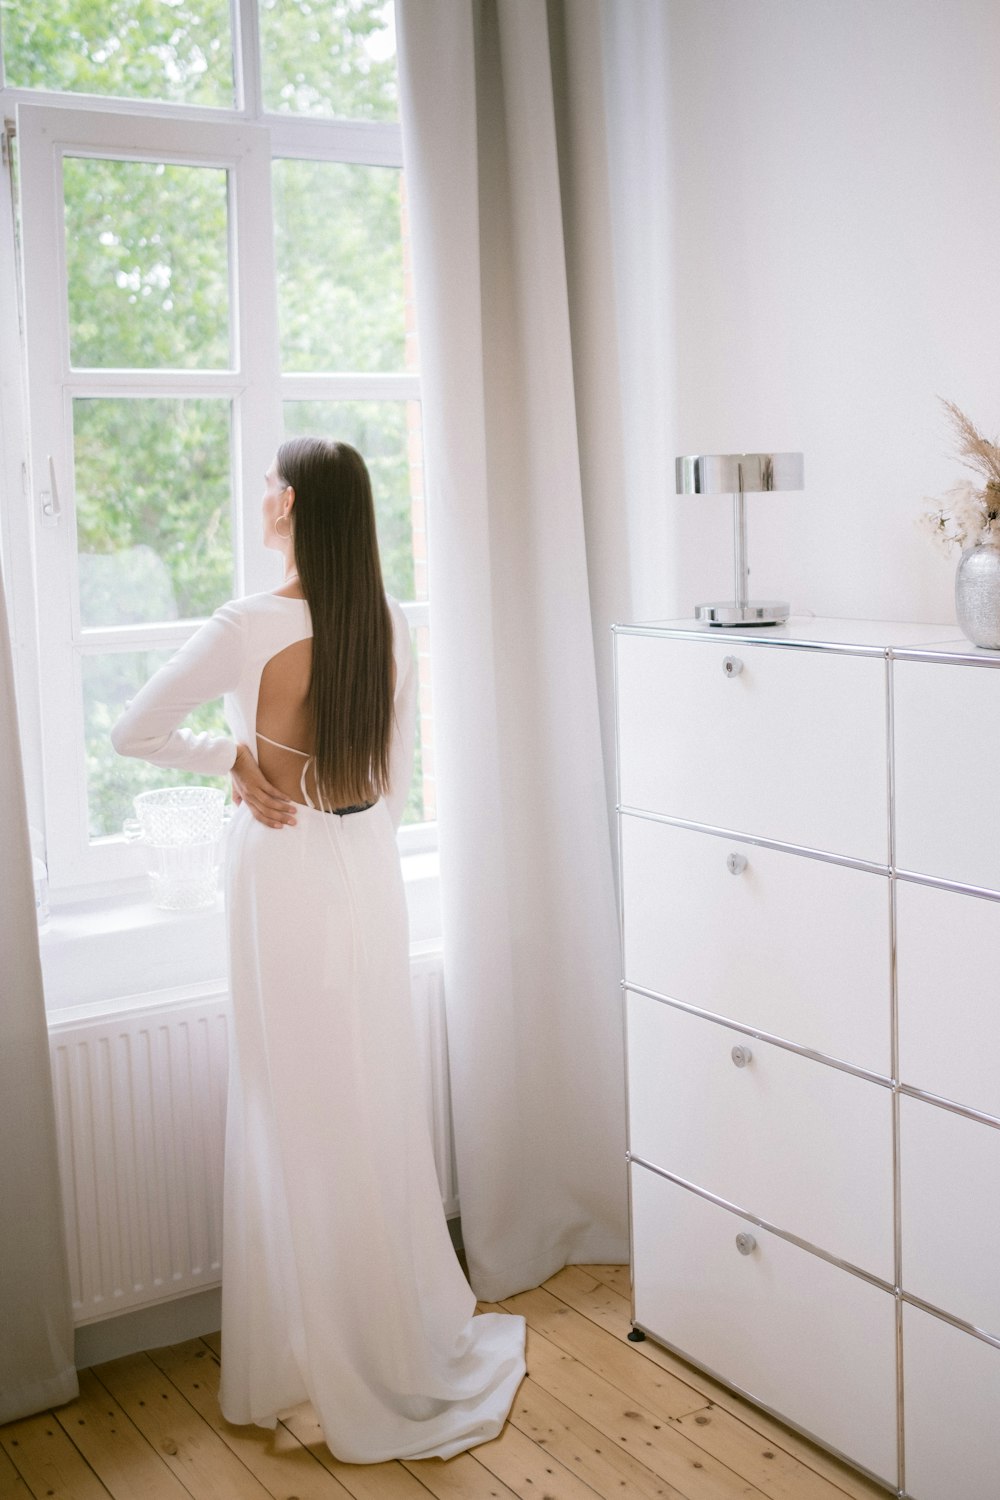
[{"x": 740, "y": 474}]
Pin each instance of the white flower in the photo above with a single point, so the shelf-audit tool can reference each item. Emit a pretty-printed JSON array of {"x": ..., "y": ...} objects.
[{"x": 960, "y": 517}]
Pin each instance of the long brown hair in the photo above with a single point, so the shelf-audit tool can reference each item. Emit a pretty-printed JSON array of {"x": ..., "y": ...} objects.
[{"x": 336, "y": 555}]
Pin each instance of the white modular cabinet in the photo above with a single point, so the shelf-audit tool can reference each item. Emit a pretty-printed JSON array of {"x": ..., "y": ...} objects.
[{"x": 810, "y": 924}]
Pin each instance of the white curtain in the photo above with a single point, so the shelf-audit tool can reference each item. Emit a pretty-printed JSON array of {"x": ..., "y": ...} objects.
[
  {"x": 36, "y": 1343},
  {"x": 496, "y": 170}
]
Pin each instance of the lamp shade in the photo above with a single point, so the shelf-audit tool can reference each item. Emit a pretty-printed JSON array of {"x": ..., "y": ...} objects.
[{"x": 738, "y": 473}]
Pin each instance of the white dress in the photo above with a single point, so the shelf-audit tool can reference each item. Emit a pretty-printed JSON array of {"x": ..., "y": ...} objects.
[{"x": 340, "y": 1283}]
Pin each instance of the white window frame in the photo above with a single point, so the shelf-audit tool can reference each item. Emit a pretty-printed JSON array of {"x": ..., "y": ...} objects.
[
  {"x": 46, "y": 136},
  {"x": 39, "y": 551}
]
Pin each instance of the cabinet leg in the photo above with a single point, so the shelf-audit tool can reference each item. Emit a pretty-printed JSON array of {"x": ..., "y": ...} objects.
[{"x": 636, "y": 1336}]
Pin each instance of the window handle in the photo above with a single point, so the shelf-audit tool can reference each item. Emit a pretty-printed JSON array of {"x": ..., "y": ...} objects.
[{"x": 49, "y": 499}]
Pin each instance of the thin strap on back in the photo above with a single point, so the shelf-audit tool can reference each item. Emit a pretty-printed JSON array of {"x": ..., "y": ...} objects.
[
  {"x": 307, "y": 762},
  {"x": 279, "y": 746}
]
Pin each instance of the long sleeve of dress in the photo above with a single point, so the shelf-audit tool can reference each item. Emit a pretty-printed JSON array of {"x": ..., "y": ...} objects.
[
  {"x": 405, "y": 712},
  {"x": 207, "y": 666}
]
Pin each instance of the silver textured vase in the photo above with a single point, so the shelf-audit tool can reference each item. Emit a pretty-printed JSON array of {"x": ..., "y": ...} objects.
[{"x": 977, "y": 595}]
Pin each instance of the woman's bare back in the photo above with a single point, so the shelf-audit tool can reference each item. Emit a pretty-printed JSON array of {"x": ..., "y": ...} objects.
[{"x": 283, "y": 717}]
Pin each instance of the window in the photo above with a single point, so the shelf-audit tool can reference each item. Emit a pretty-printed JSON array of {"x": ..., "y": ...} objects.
[{"x": 213, "y": 253}]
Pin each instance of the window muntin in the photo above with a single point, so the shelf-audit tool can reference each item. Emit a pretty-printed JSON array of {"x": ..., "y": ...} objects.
[{"x": 180, "y": 52}]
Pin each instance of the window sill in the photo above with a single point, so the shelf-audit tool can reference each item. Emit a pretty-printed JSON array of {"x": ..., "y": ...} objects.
[{"x": 103, "y": 948}]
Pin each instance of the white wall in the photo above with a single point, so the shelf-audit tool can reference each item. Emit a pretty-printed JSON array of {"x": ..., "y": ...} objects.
[{"x": 807, "y": 219}]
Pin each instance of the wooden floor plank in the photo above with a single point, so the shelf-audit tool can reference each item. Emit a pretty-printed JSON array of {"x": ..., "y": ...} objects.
[
  {"x": 530, "y": 1471},
  {"x": 771, "y": 1467},
  {"x": 276, "y": 1458},
  {"x": 600, "y": 1351},
  {"x": 774, "y": 1470},
  {"x": 114, "y": 1447},
  {"x": 616, "y": 1277},
  {"x": 460, "y": 1478},
  {"x": 646, "y": 1434},
  {"x": 12, "y": 1486},
  {"x": 609, "y": 1471},
  {"x": 599, "y": 1302},
  {"x": 48, "y": 1462},
  {"x": 190, "y": 1449}
]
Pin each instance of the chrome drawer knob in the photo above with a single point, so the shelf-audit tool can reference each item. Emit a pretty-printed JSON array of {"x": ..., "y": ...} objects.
[
  {"x": 736, "y": 863},
  {"x": 732, "y": 666},
  {"x": 746, "y": 1244},
  {"x": 741, "y": 1056}
]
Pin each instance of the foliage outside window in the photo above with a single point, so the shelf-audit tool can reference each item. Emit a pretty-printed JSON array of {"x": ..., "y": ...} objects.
[{"x": 177, "y": 51}]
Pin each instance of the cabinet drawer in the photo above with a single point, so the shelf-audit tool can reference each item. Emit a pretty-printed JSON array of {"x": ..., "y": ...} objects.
[
  {"x": 947, "y": 728},
  {"x": 951, "y": 1386},
  {"x": 812, "y": 1342},
  {"x": 949, "y": 994},
  {"x": 764, "y": 946},
  {"x": 951, "y": 1212},
  {"x": 793, "y": 748},
  {"x": 800, "y": 1144}
]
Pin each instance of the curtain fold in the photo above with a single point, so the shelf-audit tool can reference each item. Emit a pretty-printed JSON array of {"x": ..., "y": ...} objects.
[
  {"x": 530, "y": 933},
  {"x": 36, "y": 1344}
]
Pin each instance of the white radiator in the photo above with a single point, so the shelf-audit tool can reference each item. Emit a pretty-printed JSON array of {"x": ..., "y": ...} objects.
[{"x": 140, "y": 1111}]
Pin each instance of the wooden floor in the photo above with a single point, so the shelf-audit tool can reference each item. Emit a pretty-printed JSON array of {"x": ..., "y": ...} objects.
[{"x": 596, "y": 1416}]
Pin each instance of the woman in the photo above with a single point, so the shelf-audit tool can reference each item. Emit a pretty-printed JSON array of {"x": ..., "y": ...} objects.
[{"x": 340, "y": 1283}]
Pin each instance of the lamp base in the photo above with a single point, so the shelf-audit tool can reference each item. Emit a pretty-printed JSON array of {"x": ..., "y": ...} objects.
[{"x": 755, "y": 612}]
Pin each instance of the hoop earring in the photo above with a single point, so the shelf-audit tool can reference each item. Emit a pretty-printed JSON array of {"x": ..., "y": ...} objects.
[{"x": 285, "y": 535}]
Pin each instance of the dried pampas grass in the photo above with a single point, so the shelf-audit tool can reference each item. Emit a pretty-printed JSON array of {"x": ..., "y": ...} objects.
[{"x": 977, "y": 452}]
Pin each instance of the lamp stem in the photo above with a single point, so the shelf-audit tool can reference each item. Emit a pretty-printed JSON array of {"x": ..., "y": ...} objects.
[{"x": 741, "y": 570}]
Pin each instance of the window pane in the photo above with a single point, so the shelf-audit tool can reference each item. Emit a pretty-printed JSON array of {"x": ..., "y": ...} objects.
[
  {"x": 179, "y": 51},
  {"x": 153, "y": 508},
  {"x": 387, "y": 435},
  {"x": 109, "y": 681},
  {"x": 336, "y": 58},
  {"x": 148, "y": 264},
  {"x": 339, "y": 248}
]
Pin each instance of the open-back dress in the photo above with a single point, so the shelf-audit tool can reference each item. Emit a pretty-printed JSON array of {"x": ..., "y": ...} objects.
[{"x": 340, "y": 1284}]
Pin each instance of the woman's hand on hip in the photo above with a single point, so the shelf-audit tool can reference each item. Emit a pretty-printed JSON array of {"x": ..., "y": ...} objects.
[{"x": 250, "y": 785}]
